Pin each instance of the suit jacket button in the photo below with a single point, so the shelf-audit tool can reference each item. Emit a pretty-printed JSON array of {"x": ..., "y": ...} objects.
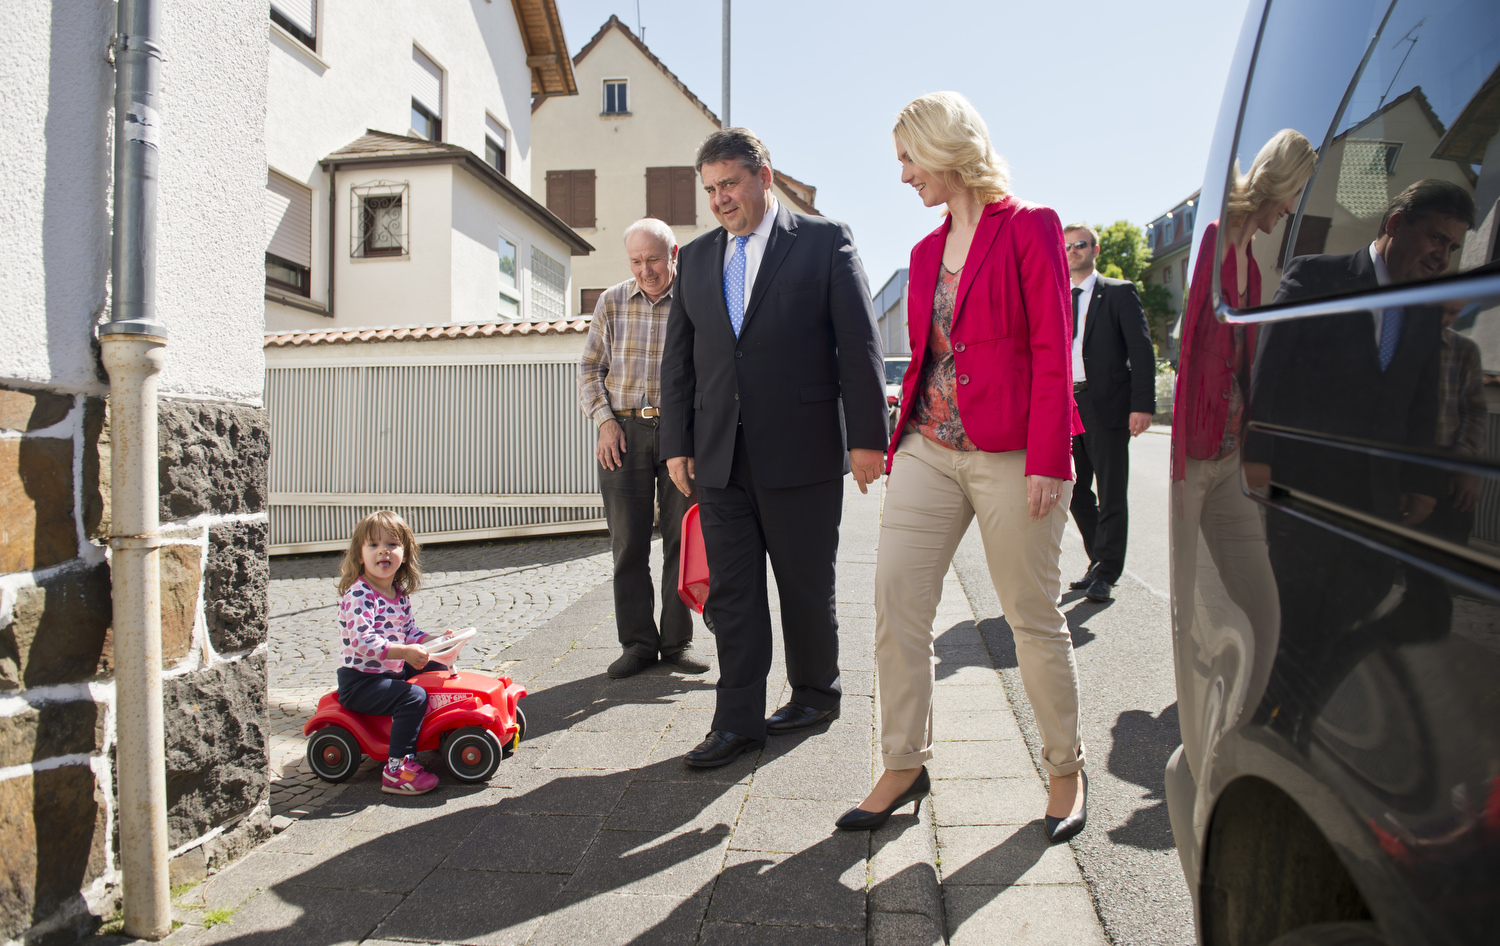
[
  {"x": 739, "y": 354},
  {"x": 963, "y": 379},
  {"x": 1223, "y": 394},
  {"x": 1228, "y": 363},
  {"x": 959, "y": 347},
  {"x": 737, "y": 397}
]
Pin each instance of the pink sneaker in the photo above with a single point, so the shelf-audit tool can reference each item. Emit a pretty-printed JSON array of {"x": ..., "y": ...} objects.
[{"x": 410, "y": 779}]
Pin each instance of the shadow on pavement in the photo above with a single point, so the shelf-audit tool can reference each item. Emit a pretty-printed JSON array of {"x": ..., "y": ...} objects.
[
  {"x": 1002, "y": 641},
  {"x": 1139, "y": 748}
]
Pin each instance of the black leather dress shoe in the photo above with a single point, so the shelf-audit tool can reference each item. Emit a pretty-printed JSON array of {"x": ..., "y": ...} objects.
[
  {"x": 857, "y": 819},
  {"x": 628, "y": 665},
  {"x": 1099, "y": 590},
  {"x": 720, "y": 748},
  {"x": 1060, "y": 829},
  {"x": 795, "y": 716},
  {"x": 1085, "y": 581}
]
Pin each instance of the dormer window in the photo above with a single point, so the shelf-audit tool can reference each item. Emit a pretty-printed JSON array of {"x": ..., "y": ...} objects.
[{"x": 616, "y": 100}]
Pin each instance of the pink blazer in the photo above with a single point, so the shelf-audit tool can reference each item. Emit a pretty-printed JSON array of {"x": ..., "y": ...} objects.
[{"x": 1012, "y": 336}]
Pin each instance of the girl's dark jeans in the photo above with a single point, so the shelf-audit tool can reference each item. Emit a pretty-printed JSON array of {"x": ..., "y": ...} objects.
[{"x": 388, "y": 694}]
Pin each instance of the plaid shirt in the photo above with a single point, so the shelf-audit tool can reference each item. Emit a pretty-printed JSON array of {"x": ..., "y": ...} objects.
[
  {"x": 1462, "y": 414},
  {"x": 621, "y": 367}
]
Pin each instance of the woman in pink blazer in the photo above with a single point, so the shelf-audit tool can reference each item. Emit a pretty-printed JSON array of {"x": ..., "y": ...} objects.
[{"x": 986, "y": 425}]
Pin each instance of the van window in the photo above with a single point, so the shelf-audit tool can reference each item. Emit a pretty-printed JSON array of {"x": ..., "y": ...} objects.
[{"x": 1412, "y": 96}]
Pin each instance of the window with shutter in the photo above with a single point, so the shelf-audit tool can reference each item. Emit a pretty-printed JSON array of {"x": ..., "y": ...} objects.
[
  {"x": 426, "y": 97},
  {"x": 672, "y": 196},
  {"x": 659, "y": 193},
  {"x": 570, "y": 195},
  {"x": 494, "y": 143},
  {"x": 288, "y": 234},
  {"x": 583, "y": 199},
  {"x": 298, "y": 17},
  {"x": 588, "y": 300},
  {"x": 684, "y": 198}
]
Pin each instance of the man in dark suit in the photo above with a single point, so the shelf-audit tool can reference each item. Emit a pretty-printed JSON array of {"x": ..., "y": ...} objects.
[
  {"x": 1357, "y": 377},
  {"x": 1114, "y": 383},
  {"x": 773, "y": 389}
]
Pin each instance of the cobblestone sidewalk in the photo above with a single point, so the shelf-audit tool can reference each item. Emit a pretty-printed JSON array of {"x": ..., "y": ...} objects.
[{"x": 595, "y": 832}]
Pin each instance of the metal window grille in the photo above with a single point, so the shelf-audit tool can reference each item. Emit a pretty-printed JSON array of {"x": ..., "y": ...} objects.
[
  {"x": 379, "y": 217},
  {"x": 549, "y": 288}
]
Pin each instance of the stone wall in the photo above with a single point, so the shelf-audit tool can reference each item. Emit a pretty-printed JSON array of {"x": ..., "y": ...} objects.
[{"x": 59, "y": 867}]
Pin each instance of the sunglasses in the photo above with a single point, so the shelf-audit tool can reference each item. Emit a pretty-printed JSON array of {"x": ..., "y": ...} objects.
[{"x": 1077, "y": 245}]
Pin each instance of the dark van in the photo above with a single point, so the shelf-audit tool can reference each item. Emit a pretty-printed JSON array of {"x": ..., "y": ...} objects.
[{"x": 1335, "y": 492}]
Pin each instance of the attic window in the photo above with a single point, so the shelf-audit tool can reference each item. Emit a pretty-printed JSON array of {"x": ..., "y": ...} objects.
[{"x": 616, "y": 101}]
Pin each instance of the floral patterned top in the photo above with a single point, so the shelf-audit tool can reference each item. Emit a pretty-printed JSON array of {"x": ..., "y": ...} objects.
[
  {"x": 936, "y": 413},
  {"x": 369, "y": 624}
]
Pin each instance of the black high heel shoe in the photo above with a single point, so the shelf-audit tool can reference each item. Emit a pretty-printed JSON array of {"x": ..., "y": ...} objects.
[
  {"x": 857, "y": 819},
  {"x": 1061, "y": 829}
]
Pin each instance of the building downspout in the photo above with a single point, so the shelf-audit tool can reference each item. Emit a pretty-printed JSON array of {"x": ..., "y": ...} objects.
[
  {"x": 133, "y": 347},
  {"x": 333, "y": 192}
]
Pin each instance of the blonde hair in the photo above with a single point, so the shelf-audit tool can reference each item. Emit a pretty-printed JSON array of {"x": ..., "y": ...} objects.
[
  {"x": 408, "y": 577},
  {"x": 943, "y": 133},
  {"x": 1279, "y": 171}
]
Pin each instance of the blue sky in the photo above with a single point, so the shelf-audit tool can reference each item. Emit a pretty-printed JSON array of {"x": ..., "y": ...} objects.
[{"x": 1103, "y": 110}]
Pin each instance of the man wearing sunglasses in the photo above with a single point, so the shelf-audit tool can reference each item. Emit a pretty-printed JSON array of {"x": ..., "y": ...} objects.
[{"x": 1114, "y": 384}]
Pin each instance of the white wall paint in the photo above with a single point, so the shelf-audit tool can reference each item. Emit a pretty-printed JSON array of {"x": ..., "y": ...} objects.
[{"x": 358, "y": 79}]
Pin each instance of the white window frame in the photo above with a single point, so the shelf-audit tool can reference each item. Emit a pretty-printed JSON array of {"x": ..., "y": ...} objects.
[
  {"x": 442, "y": 102},
  {"x": 604, "y": 85},
  {"x": 499, "y": 126},
  {"x": 517, "y": 295}
]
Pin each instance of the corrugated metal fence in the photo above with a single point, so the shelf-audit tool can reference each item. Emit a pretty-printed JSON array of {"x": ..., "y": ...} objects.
[{"x": 461, "y": 451}]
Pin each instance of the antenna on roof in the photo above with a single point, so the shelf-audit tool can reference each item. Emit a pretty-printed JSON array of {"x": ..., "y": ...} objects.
[{"x": 639, "y": 29}]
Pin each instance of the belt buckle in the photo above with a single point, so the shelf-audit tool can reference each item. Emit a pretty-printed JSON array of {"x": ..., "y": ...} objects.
[{"x": 649, "y": 411}]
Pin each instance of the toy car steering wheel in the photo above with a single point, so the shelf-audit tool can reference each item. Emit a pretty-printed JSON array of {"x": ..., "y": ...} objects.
[{"x": 442, "y": 649}]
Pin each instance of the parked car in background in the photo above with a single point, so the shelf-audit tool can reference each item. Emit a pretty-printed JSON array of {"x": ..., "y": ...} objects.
[
  {"x": 895, "y": 370},
  {"x": 1336, "y": 565}
]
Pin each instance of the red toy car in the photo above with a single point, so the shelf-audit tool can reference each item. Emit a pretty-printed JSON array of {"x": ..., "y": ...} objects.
[{"x": 472, "y": 720}]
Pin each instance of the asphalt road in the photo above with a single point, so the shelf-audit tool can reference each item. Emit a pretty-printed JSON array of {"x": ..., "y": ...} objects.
[{"x": 1129, "y": 710}]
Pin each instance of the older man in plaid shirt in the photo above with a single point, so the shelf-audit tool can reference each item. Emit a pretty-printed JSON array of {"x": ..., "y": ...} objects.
[{"x": 619, "y": 383}]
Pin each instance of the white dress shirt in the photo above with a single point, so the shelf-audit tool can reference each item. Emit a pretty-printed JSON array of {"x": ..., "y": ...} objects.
[
  {"x": 1083, "y": 320},
  {"x": 1382, "y": 278},
  {"x": 755, "y": 247}
]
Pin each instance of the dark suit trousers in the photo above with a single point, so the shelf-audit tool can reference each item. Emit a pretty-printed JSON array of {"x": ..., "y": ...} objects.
[
  {"x": 1101, "y": 454},
  {"x": 798, "y": 527},
  {"x": 631, "y": 494}
]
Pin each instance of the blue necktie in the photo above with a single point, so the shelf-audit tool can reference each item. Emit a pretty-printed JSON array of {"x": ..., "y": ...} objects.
[
  {"x": 1390, "y": 336},
  {"x": 734, "y": 285}
]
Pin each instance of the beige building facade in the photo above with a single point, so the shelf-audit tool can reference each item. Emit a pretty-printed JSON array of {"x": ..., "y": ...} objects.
[{"x": 622, "y": 149}]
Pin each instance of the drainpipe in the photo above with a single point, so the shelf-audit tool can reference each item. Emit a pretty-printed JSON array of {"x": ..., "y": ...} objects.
[{"x": 133, "y": 346}]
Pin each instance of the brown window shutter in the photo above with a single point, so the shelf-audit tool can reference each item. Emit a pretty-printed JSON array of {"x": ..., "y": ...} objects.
[
  {"x": 583, "y": 199},
  {"x": 659, "y": 193},
  {"x": 558, "y": 195},
  {"x": 588, "y": 299},
  {"x": 684, "y": 198}
]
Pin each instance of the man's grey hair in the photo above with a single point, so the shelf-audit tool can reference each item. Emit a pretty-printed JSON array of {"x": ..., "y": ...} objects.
[
  {"x": 733, "y": 144},
  {"x": 656, "y": 228}
]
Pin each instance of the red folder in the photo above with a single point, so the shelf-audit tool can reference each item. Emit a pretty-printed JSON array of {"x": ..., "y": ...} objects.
[{"x": 692, "y": 563}]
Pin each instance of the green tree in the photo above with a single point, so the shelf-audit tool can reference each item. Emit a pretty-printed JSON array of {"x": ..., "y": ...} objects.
[{"x": 1124, "y": 254}]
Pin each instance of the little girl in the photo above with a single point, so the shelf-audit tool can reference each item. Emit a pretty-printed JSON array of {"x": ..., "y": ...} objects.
[{"x": 382, "y": 646}]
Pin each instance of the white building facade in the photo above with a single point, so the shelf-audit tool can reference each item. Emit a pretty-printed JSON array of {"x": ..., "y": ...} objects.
[
  {"x": 398, "y": 152},
  {"x": 622, "y": 149}
]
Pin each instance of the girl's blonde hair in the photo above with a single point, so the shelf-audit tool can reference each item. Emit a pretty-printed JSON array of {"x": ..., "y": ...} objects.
[
  {"x": 1279, "y": 171},
  {"x": 408, "y": 577},
  {"x": 943, "y": 133}
]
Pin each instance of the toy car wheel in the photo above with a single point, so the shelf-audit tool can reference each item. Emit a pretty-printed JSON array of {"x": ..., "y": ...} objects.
[
  {"x": 515, "y": 741},
  {"x": 472, "y": 754},
  {"x": 333, "y": 754}
]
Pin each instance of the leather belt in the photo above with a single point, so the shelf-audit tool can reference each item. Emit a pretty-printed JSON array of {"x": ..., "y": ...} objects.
[
  {"x": 1080, "y": 386},
  {"x": 642, "y": 412}
]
